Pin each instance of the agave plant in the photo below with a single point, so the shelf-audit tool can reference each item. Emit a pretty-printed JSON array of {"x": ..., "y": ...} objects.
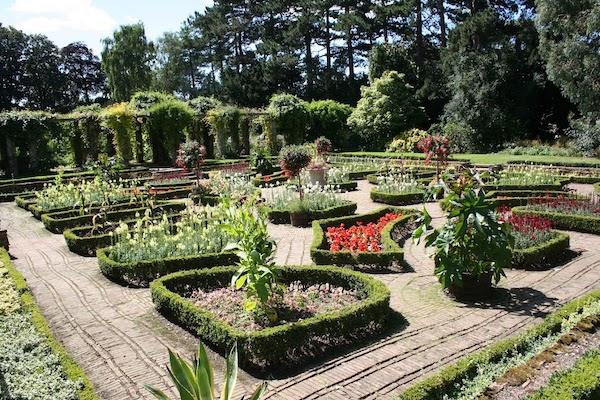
[{"x": 195, "y": 381}]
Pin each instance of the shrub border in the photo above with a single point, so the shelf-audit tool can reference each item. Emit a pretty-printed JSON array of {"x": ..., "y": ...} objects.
[
  {"x": 530, "y": 257},
  {"x": 397, "y": 199},
  {"x": 435, "y": 386},
  {"x": 70, "y": 367},
  {"x": 273, "y": 343},
  {"x": 555, "y": 187},
  {"x": 147, "y": 271},
  {"x": 579, "y": 223},
  {"x": 283, "y": 216},
  {"x": 319, "y": 250}
]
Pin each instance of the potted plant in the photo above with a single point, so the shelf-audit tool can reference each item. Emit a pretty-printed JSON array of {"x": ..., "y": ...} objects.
[
  {"x": 190, "y": 157},
  {"x": 292, "y": 160},
  {"x": 472, "y": 249},
  {"x": 436, "y": 148},
  {"x": 299, "y": 214},
  {"x": 318, "y": 168}
]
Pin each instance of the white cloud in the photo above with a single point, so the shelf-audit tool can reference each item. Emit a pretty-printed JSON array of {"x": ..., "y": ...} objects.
[{"x": 44, "y": 16}]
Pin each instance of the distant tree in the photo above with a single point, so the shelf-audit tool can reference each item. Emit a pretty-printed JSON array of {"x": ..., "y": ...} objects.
[
  {"x": 171, "y": 74},
  {"x": 12, "y": 47},
  {"x": 126, "y": 61},
  {"x": 85, "y": 78}
]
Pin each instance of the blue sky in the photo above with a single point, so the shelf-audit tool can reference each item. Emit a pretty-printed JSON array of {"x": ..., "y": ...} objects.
[{"x": 66, "y": 21}]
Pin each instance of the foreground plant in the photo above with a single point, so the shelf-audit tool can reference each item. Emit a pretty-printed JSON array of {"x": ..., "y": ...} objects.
[
  {"x": 472, "y": 243},
  {"x": 195, "y": 381}
]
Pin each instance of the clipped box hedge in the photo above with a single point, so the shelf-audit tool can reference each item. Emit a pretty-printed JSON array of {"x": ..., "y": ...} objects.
[
  {"x": 531, "y": 257},
  {"x": 141, "y": 273},
  {"x": 539, "y": 188},
  {"x": 283, "y": 216},
  {"x": 392, "y": 252},
  {"x": 29, "y": 306},
  {"x": 25, "y": 201},
  {"x": 442, "y": 383},
  {"x": 285, "y": 346},
  {"x": 59, "y": 222},
  {"x": 348, "y": 186},
  {"x": 570, "y": 222},
  {"x": 397, "y": 199}
]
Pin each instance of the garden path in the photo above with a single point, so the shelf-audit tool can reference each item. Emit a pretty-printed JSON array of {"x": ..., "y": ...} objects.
[{"x": 117, "y": 337}]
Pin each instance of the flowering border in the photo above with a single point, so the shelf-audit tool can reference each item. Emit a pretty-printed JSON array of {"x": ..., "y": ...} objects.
[
  {"x": 283, "y": 216},
  {"x": 284, "y": 346},
  {"x": 392, "y": 253},
  {"x": 532, "y": 257},
  {"x": 579, "y": 223}
]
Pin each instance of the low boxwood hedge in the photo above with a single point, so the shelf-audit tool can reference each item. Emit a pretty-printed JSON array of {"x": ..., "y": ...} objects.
[
  {"x": 59, "y": 222},
  {"x": 25, "y": 200},
  {"x": 441, "y": 384},
  {"x": 29, "y": 306},
  {"x": 580, "y": 382},
  {"x": 397, "y": 199},
  {"x": 358, "y": 175},
  {"x": 570, "y": 222},
  {"x": 143, "y": 272},
  {"x": 392, "y": 252},
  {"x": 539, "y": 188},
  {"x": 273, "y": 179},
  {"x": 597, "y": 187},
  {"x": 349, "y": 186},
  {"x": 532, "y": 257},
  {"x": 285, "y": 346},
  {"x": 283, "y": 216}
]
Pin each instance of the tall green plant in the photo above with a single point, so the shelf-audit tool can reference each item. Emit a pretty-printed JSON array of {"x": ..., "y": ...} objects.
[
  {"x": 196, "y": 381},
  {"x": 166, "y": 123},
  {"x": 119, "y": 119},
  {"x": 289, "y": 117},
  {"x": 225, "y": 125}
]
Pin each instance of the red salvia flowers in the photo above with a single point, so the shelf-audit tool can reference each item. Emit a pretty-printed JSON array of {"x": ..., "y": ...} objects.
[
  {"x": 528, "y": 228},
  {"x": 359, "y": 237}
]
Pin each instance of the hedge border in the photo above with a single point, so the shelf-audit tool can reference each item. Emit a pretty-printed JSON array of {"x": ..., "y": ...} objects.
[
  {"x": 547, "y": 187},
  {"x": 70, "y": 367},
  {"x": 531, "y": 256},
  {"x": 270, "y": 348},
  {"x": 397, "y": 199},
  {"x": 141, "y": 273},
  {"x": 392, "y": 251},
  {"x": 55, "y": 224},
  {"x": 579, "y": 223},
  {"x": 25, "y": 201},
  {"x": 281, "y": 217},
  {"x": 439, "y": 384},
  {"x": 348, "y": 186}
]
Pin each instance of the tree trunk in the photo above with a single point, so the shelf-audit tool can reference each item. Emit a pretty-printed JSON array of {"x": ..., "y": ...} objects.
[
  {"x": 308, "y": 61},
  {"x": 11, "y": 155},
  {"x": 385, "y": 22},
  {"x": 442, "y": 15},
  {"x": 139, "y": 142},
  {"x": 350, "y": 48}
]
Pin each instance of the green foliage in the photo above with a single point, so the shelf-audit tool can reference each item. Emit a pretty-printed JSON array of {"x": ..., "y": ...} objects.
[
  {"x": 260, "y": 160},
  {"x": 225, "y": 125},
  {"x": 166, "y": 123},
  {"x": 392, "y": 252},
  {"x": 407, "y": 141},
  {"x": 142, "y": 101},
  {"x": 586, "y": 134},
  {"x": 397, "y": 199},
  {"x": 392, "y": 57},
  {"x": 119, "y": 119},
  {"x": 471, "y": 242},
  {"x": 343, "y": 208},
  {"x": 386, "y": 107},
  {"x": 329, "y": 118},
  {"x": 90, "y": 129},
  {"x": 195, "y": 381},
  {"x": 546, "y": 251},
  {"x": 279, "y": 347},
  {"x": 290, "y": 117},
  {"x": 126, "y": 59}
]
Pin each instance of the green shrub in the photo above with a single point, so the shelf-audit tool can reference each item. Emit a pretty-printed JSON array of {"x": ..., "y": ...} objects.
[
  {"x": 290, "y": 117},
  {"x": 119, "y": 119},
  {"x": 166, "y": 123},
  {"x": 280, "y": 347},
  {"x": 397, "y": 199},
  {"x": 392, "y": 252},
  {"x": 225, "y": 125},
  {"x": 283, "y": 216},
  {"x": 407, "y": 141},
  {"x": 532, "y": 257},
  {"x": 329, "y": 118}
]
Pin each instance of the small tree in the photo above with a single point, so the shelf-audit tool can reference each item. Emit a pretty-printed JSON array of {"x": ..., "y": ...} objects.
[
  {"x": 292, "y": 160},
  {"x": 190, "y": 157},
  {"x": 435, "y": 148}
]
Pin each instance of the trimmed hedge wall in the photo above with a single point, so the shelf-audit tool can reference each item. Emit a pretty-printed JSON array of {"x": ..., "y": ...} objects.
[
  {"x": 442, "y": 383},
  {"x": 284, "y": 346},
  {"x": 392, "y": 252},
  {"x": 531, "y": 257},
  {"x": 397, "y": 199},
  {"x": 359, "y": 175},
  {"x": 283, "y": 216},
  {"x": 274, "y": 179},
  {"x": 579, "y": 223},
  {"x": 25, "y": 200},
  {"x": 143, "y": 272},
  {"x": 70, "y": 367},
  {"x": 349, "y": 186},
  {"x": 59, "y": 222},
  {"x": 540, "y": 188},
  {"x": 580, "y": 382}
]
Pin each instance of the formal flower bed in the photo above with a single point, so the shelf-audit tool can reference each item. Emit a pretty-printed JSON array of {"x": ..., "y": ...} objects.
[
  {"x": 33, "y": 364},
  {"x": 335, "y": 307},
  {"x": 368, "y": 239},
  {"x": 236, "y": 186},
  {"x": 472, "y": 375},
  {"x": 397, "y": 189},
  {"x": 152, "y": 248},
  {"x": 525, "y": 177},
  {"x": 535, "y": 242},
  {"x": 318, "y": 201},
  {"x": 340, "y": 178}
]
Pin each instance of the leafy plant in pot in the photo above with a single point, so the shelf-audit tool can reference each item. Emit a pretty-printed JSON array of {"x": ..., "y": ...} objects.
[
  {"x": 471, "y": 249},
  {"x": 318, "y": 169},
  {"x": 292, "y": 160}
]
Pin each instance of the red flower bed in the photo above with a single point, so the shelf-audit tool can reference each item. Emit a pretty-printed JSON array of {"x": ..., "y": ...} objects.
[
  {"x": 359, "y": 237},
  {"x": 528, "y": 230},
  {"x": 566, "y": 205}
]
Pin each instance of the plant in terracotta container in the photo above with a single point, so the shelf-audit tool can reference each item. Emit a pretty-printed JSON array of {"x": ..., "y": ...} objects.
[
  {"x": 292, "y": 160},
  {"x": 472, "y": 249}
]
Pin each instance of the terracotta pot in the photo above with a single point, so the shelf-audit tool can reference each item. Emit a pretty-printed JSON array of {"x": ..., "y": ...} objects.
[
  {"x": 300, "y": 219},
  {"x": 318, "y": 176},
  {"x": 4, "y": 239},
  {"x": 473, "y": 287}
]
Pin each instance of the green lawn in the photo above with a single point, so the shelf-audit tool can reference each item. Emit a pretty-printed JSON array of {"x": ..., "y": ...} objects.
[{"x": 492, "y": 158}]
